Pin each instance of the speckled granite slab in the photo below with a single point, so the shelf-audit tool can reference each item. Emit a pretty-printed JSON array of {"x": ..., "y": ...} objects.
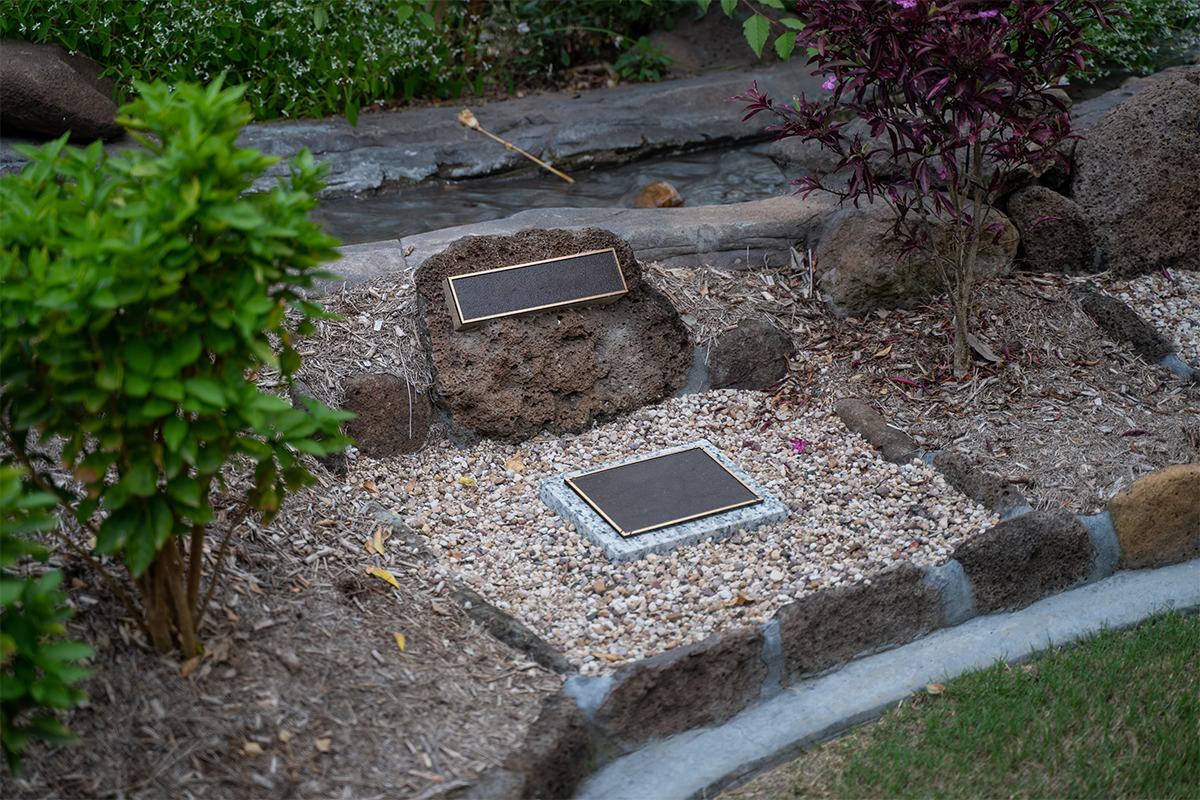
[{"x": 556, "y": 494}]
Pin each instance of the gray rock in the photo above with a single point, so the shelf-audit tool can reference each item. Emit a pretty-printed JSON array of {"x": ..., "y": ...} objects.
[
  {"x": 829, "y": 628},
  {"x": 1021, "y": 560},
  {"x": 700, "y": 684},
  {"x": 46, "y": 91},
  {"x": 753, "y": 355},
  {"x": 859, "y": 265},
  {"x": 1137, "y": 178},
  {"x": 558, "y": 371},
  {"x": 1055, "y": 235}
]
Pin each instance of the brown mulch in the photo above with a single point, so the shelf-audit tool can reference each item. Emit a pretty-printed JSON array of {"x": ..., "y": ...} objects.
[{"x": 304, "y": 690}]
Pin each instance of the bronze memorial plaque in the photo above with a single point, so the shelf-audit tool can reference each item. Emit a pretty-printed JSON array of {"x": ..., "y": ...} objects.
[
  {"x": 585, "y": 279},
  {"x": 663, "y": 490}
]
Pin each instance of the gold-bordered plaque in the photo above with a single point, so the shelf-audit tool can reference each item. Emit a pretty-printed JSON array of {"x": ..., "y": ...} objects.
[
  {"x": 583, "y": 279},
  {"x": 662, "y": 490}
]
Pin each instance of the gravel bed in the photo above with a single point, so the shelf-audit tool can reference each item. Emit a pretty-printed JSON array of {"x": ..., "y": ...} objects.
[{"x": 852, "y": 515}]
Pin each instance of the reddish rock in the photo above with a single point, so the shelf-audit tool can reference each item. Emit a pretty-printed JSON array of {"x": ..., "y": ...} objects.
[
  {"x": 829, "y": 628},
  {"x": 1135, "y": 177},
  {"x": 701, "y": 684},
  {"x": 46, "y": 91},
  {"x": 659, "y": 194},
  {"x": 393, "y": 418},
  {"x": 895, "y": 445},
  {"x": 560, "y": 370},
  {"x": 1157, "y": 518}
]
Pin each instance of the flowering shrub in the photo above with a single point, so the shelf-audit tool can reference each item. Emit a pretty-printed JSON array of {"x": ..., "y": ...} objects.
[
  {"x": 1136, "y": 40},
  {"x": 958, "y": 93}
]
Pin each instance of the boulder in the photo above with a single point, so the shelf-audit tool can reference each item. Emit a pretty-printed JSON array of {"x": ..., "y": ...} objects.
[
  {"x": 1021, "y": 560},
  {"x": 1055, "y": 234},
  {"x": 700, "y": 684},
  {"x": 46, "y": 91},
  {"x": 1157, "y": 518},
  {"x": 752, "y": 355},
  {"x": 659, "y": 194},
  {"x": 393, "y": 419},
  {"x": 829, "y": 628},
  {"x": 1135, "y": 177},
  {"x": 860, "y": 266},
  {"x": 558, "y": 370}
]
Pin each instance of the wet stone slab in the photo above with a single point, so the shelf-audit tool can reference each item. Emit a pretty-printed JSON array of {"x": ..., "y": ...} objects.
[{"x": 663, "y": 501}]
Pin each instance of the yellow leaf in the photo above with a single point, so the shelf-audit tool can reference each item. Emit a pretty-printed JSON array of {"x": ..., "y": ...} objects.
[
  {"x": 399, "y": 640},
  {"x": 467, "y": 480},
  {"x": 322, "y": 745},
  {"x": 375, "y": 544},
  {"x": 383, "y": 573},
  {"x": 189, "y": 666},
  {"x": 884, "y": 353}
]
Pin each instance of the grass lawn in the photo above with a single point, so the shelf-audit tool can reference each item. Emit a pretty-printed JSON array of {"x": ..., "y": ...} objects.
[{"x": 1118, "y": 715}]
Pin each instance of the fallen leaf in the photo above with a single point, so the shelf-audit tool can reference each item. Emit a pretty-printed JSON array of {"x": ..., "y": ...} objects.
[
  {"x": 884, "y": 353},
  {"x": 232, "y": 617},
  {"x": 383, "y": 573},
  {"x": 399, "y": 640},
  {"x": 375, "y": 545},
  {"x": 412, "y": 487},
  {"x": 189, "y": 666},
  {"x": 979, "y": 347},
  {"x": 608, "y": 656},
  {"x": 285, "y": 736},
  {"x": 467, "y": 480},
  {"x": 515, "y": 463},
  {"x": 252, "y": 749},
  {"x": 457, "y": 556},
  {"x": 935, "y": 688},
  {"x": 370, "y": 486},
  {"x": 322, "y": 745}
]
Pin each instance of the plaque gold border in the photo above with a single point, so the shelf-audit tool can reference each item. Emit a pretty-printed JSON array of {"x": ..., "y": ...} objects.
[
  {"x": 626, "y": 534},
  {"x": 461, "y": 324}
]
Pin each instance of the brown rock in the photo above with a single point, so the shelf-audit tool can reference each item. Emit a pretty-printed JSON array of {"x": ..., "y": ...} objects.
[
  {"x": 1055, "y": 234},
  {"x": 1158, "y": 517},
  {"x": 46, "y": 91},
  {"x": 859, "y": 265},
  {"x": 701, "y": 684},
  {"x": 896, "y": 445},
  {"x": 659, "y": 194},
  {"x": 393, "y": 419},
  {"x": 555, "y": 756},
  {"x": 1022, "y": 560},
  {"x": 993, "y": 491},
  {"x": 753, "y": 355},
  {"x": 1134, "y": 176},
  {"x": 828, "y": 628},
  {"x": 556, "y": 370}
]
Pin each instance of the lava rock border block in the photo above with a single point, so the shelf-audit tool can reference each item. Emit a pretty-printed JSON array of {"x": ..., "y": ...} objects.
[
  {"x": 1021, "y": 560},
  {"x": 557, "y": 748},
  {"x": 701, "y": 684},
  {"x": 393, "y": 417},
  {"x": 1157, "y": 518},
  {"x": 1122, "y": 324},
  {"x": 830, "y": 628},
  {"x": 991, "y": 491},
  {"x": 896, "y": 445},
  {"x": 559, "y": 371}
]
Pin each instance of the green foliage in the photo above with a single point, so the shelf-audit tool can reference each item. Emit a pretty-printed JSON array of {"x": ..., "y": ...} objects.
[
  {"x": 1141, "y": 40},
  {"x": 299, "y": 59},
  {"x": 141, "y": 297},
  {"x": 36, "y": 674},
  {"x": 758, "y": 27},
  {"x": 644, "y": 61}
]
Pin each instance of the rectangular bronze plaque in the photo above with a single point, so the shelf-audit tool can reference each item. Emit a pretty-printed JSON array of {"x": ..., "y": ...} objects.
[
  {"x": 663, "y": 490},
  {"x": 585, "y": 279}
]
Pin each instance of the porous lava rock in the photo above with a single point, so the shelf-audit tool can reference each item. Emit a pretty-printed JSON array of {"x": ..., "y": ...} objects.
[
  {"x": 829, "y": 628},
  {"x": 1157, "y": 518},
  {"x": 702, "y": 684},
  {"x": 659, "y": 194},
  {"x": 555, "y": 755},
  {"x": 557, "y": 370},
  {"x": 860, "y": 267},
  {"x": 895, "y": 445},
  {"x": 1055, "y": 234},
  {"x": 1135, "y": 177},
  {"x": 46, "y": 91},
  {"x": 1122, "y": 324},
  {"x": 751, "y": 355},
  {"x": 393, "y": 418},
  {"x": 1021, "y": 560},
  {"x": 991, "y": 490}
]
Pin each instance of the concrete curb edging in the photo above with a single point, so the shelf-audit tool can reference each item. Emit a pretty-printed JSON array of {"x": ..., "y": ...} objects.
[{"x": 666, "y": 703}]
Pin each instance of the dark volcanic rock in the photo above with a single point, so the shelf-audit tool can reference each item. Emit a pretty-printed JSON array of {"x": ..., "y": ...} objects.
[
  {"x": 1055, "y": 234},
  {"x": 557, "y": 746},
  {"x": 393, "y": 418},
  {"x": 1122, "y": 324},
  {"x": 823, "y": 630},
  {"x": 555, "y": 370},
  {"x": 896, "y": 445},
  {"x": 753, "y": 355},
  {"x": 46, "y": 91},
  {"x": 701, "y": 684},
  {"x": 1022, "y": 560},
  {"x": 993, "y": 491}
]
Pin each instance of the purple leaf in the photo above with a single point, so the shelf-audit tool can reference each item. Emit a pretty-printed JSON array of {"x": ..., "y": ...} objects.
[{"x": 799, "y": 444}]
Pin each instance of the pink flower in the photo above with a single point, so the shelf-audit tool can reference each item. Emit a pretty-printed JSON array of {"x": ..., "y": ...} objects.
[
  {"x": 829, "y": 83},
  {"x": 906, "y": 3},
  {"x": 942, "y": 173},
  {"x": 799, "y": 444},
  {"x": 988, "y": 14}
]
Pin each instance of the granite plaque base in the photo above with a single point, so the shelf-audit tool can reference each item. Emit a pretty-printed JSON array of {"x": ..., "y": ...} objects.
[
  {"x": 650, "y": 508},
  {"x": 586, "y": 279}
]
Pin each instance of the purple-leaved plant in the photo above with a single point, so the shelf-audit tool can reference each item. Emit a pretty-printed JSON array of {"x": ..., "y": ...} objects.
[{"x": 958, "y": 94}]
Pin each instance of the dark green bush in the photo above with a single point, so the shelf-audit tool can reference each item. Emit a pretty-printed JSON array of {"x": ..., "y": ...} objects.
[{"x": 140, "y": 299}]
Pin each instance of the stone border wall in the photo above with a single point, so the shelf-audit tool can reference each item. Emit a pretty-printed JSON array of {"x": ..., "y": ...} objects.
[{"x": 1029, "y": 555}]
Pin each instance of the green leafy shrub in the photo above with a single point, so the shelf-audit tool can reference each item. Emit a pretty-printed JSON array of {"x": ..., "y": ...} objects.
[
  {"x": 140, "y": 298},
  {"x": 299, "y": 59},
  {"x": 35, "y": 672},
  {"x": 1142, "y": 38}
]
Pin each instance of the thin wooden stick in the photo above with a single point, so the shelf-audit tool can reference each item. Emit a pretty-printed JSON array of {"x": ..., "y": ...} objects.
[{"x": 468, "y": 120}]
